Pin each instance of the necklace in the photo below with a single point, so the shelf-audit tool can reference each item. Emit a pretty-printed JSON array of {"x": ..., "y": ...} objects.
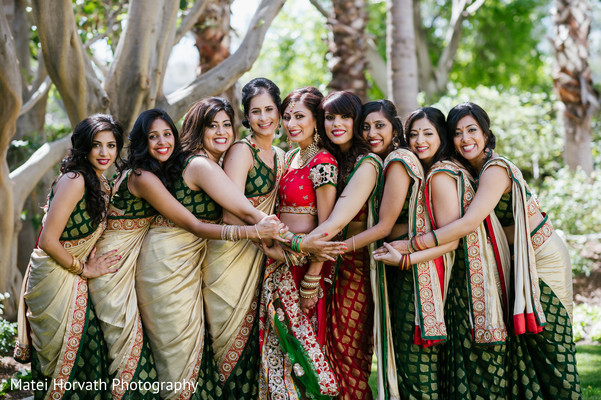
[
  {"x": 307, "y": 153},
  {"x": 255, "y": 145}
]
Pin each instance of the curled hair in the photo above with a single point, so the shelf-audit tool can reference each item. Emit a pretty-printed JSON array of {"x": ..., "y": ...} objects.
[
  {"x": 310, "y": 97},
  {"x": 483, "y": 121},
  {"x": 387, "y": 108},
  {"x": 76, "y": 161},
  {"x": 343, "y": 103},
  {"x": 254, "y": 88},
  {"x": 137, "y": 153},
  {"x": 198, "y": 118},
  {"x": 437, "y": 119}
]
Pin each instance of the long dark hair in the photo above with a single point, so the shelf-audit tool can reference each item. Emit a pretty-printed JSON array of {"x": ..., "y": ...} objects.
[
  {"x": 77, "y": 161},
  {"x": 255, "y": 87},
  {"x": 387, "y": 108},
  {"x": 437, "y": 119},
  {"x": 198, "y": 118},
  {"x": 310, "y": 97},
  {"x": 137, "y": 152},
  {"x": 343, "y": 103},
  {"x": 483, "y": 120}
]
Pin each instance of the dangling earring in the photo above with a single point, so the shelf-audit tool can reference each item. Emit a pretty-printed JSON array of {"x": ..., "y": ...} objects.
[
  {"x": 315, "y": 136},
  {"x": 396, "y": 143},
  {"x": 289, "y": 141}
]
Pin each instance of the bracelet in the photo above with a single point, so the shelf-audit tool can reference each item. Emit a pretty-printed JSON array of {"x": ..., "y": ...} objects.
[
  {"x": 296, "y": 242},
  {"x": 308, "y": 294},
  {"x": 257, "y": 230},
  {"x": 435, "y": 238},
  {"x": 405, "y": 263},
  {"x": 353, "y": 244}
]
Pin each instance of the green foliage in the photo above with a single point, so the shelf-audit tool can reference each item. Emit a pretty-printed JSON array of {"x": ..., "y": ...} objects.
[
  {"x": 587, "y": 322},
  {"x": 511, "y": 57},
  {"x": 100, "y": 18},
  {"x": 294, "y": 51},
  {"x": 8, "y": 330}
]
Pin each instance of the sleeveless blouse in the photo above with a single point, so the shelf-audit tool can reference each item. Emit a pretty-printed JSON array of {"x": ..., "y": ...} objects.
[
  {"x": 260, "y": 178},
  {"x": 196, "y": 201},
  {"x": 79, "y": 224},
  {"x": 125, "y": 205},
  {"x": 297, "y": 188}
]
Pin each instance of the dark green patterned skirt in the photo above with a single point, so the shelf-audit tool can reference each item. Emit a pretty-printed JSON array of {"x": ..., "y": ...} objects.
[
  {"x": 468, "y": 371},
  {"x": 543, "y": 366},
  {"x": 209, "y": 387},
  {"x": 417, "y": 366},
  {"x": 243, "y": 383},
  {"x": 91, "y": 365},
  {"x": 144, "y": 383}
]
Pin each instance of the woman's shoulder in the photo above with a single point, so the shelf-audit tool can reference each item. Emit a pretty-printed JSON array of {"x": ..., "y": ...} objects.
[
  {"x": 324, "y": 157},
  {"x": 407, "y": 157},
  {"x": 73, "y": 181}
]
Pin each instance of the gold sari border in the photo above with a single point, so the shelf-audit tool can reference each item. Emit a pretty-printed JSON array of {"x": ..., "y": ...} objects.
[
  {"x": 128, "y": 370},
  {"x": 128, "y": 224},
  {"x": 72, "y": 341}
]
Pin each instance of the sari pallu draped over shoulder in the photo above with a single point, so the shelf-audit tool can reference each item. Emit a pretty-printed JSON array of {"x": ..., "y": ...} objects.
[
  {"x": 428, "y": 294},
  {"x": 232, "y": 273},
  {"x": 488, "y": 262},
  {"x": 528, "y": 315},
  {"x": 349, "y": 333},
  {"x": 116, "y": 303},
  {"x": 53, "y": 317}
]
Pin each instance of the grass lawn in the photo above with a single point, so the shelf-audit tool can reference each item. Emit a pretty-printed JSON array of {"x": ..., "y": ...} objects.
[{"x": 588, "y": 358}]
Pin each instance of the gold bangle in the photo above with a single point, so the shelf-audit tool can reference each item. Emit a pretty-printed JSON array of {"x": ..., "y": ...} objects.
[
  {"x": 353, "y": 244},
  {"x": 257, "y": 230}
]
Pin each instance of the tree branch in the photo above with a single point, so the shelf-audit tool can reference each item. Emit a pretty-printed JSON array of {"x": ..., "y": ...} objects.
[
  {"x": 377, "y": 67},
  {"x": 190, "y": 19},
  {"x": 29, "y": 173},
  {"x": 38, "y": 94},
  {"x": 319, "y": 8},
  {"x": 216, "y": 80},
  {"x": 65, "y": 57}
]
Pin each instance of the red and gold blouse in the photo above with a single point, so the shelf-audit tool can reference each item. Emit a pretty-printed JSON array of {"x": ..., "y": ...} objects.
[{"x": 297, "y": 188}]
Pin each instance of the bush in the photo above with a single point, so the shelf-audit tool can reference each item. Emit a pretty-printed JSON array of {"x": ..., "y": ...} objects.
[
  {"x": 587, "y": 322},
  {"x": 8, "y": 330}
]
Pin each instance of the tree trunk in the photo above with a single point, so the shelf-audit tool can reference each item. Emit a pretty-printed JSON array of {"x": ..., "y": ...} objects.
[
  {"x": 348, "y": 47},
  {"x": 401, "y": 55},
  {"x": 10, "y": 103},
  {"x": 572, "y": 80}
]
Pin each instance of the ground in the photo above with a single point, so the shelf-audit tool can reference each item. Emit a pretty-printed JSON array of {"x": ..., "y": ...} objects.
[{"x": 8, "y": 366}]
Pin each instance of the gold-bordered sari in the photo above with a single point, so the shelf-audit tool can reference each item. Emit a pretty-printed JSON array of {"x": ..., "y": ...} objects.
[
  {"x": 115, "y": 298},
  {"x": 55, "y": 317},
  {"x": 411, "y": 366},
  {"x": 232, "y": 273}
]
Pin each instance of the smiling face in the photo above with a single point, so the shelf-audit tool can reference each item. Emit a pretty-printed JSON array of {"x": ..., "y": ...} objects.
[
  {"x": 161, "y": 141},
  {"x": 104, "y": 151},
  {"x": 218, "y": 136},
  {"x": 424, "y": 140},
  {"x": 299, "y": 123},
  {"x": 263, "y": 115},
  {"x": 378, "y": 132},
  {"x": 339, "y": 129},
  {"x": 470, "y": 141}
]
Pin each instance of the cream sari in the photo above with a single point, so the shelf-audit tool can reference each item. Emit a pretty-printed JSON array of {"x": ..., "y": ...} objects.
[
  {"x": 168, "y": 284},
  {"x": 232, "y": 272},
  {"x": 56, "y": 332}
]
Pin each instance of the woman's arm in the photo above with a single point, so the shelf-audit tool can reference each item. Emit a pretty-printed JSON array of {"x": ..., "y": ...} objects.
[
  {"x": 445, "y": 205},
  {"x": 237, "y": 164},
  {"x": 149, "y": 187},
  {"x": 68, "y": 191},
  {"x": 352, "y": 199},
  {"x": 204, "y": 174},
  {"x": 395, "y": 192}
]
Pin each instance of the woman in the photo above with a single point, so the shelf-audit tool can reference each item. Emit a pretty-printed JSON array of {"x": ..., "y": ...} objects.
[
  {"x": 292, "y": 362},
  {"x": 140, "y": 194},
  {"x": 411, "y": 367},
  {"x": 349, "y": 344},
  {"x": 232, "y": 271},
  {"x": 168, "y": 275},
  {"x": 67, "y": 342},
  {"x": 537, "y": 288}
]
